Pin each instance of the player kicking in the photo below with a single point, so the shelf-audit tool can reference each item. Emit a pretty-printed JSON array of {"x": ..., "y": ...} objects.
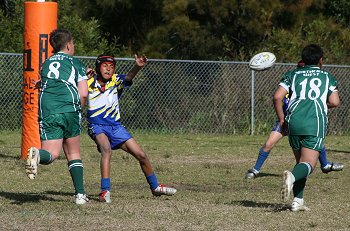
[
  {"x": 312, "y": 91},
  {"x": 105, "y": 128},
  {"x": 63, "y": 92},
  {"x": 275, "y": 136}
]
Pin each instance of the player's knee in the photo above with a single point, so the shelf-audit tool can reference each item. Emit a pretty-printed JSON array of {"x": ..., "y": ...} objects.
[
  {"x": 141, "y": 156},
  {"x": 268, "y": 146},
  {"x": 106, "y": 151}
]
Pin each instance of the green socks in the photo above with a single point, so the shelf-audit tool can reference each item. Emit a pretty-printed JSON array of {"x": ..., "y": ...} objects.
[
  {"x": 300, "y": 171},
  {"x": 45, "y": 157},
  {"x": 76, "y": 170}
]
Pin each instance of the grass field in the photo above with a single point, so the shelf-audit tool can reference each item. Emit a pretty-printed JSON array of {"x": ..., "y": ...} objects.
[{"x": 207, "y": 170}]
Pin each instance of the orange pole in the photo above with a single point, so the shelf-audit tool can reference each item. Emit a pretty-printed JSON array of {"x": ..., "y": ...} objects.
[{"x": 40, "y": 18}]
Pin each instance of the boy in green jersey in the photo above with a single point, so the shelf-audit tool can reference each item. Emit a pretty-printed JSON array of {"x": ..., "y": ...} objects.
[
  {"x": 63, "y": 92},
  {"x": 312, "y": 91}
]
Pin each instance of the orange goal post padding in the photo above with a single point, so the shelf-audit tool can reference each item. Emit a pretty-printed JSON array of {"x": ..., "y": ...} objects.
[{"x": 40, "y": 18}]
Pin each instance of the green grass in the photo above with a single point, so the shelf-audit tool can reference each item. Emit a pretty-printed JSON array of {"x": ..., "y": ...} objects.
[{"x": 208, "y": 172}]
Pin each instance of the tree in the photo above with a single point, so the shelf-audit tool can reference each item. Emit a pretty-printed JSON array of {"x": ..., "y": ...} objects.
[
  {"x": 11, "y": 21},
  {"x": 309, "y": 26},
  {"x": 125, "y": 21},
  {"x": 89, "y": 40},
  {"x": 201, "y": 29},
  {"x": 340, "y": 9}
]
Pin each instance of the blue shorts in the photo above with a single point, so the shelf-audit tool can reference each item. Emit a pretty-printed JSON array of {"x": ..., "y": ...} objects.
[
  {"x": 277, "y": 128},
  {"x": 116, "y": 134}
]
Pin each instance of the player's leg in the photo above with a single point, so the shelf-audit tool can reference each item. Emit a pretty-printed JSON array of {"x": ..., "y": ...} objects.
[
  {"x": 51, "y": 136},
  {"x": 301, "y": 171},
  {"x": 105, "y": 165},
  {"x": 131, "y": 146},
  {"x": 71, "y": 147},
  {"x": 274, "y": 137},
  {"x": 134, "y": 149},
  {"x": 327, "y": 166},
  {"x": 306, "y": 160},
  {"x": 49, "y": 151}
]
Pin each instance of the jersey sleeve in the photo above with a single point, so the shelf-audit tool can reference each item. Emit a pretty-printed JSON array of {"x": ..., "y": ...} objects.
[
  {"x": 80, "y": 67},
  {"x": 333, "y": 85},
  {"x": 121, "y": 83},
  {"x": 286, "y": 81}
]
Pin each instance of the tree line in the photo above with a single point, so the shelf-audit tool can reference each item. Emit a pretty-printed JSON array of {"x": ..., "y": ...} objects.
[{"x": 194, "y": 29}]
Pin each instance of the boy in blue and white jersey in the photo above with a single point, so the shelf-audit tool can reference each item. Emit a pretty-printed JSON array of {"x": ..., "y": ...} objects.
[{"x": 105, "y": 128}]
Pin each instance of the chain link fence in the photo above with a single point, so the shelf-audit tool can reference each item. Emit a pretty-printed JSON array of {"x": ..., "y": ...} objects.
[{"x": 187, "y": 96}]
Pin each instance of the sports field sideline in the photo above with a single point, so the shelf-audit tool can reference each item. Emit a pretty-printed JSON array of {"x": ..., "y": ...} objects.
[{"x": 207, "y": 170}]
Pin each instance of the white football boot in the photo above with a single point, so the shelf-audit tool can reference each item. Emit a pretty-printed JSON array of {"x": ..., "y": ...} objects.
[
  {"x": 32, "y": 163},
  {"x": 252, "y": 173},
  {"x": 81, "y": 199},
  {"x": 163, "y": 190},
  {"x": 298, "y": 205},
  {"x": 287, "y": 186}
]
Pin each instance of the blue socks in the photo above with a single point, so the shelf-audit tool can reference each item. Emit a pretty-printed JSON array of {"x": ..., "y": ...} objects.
[
  {"x": 261, "y": 159},
  {"x": 323, "y": 157},
  {"x": 105, "y": 184},
  {"x": 152, "y": 181}
]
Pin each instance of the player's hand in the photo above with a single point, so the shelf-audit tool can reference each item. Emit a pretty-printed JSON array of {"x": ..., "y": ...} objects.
[
  {"x": 284, "y": 128},
  {"x": 90, "y": 72},
  {"x": 37, "y": 84},
  {"x": 141, "y": 60}
]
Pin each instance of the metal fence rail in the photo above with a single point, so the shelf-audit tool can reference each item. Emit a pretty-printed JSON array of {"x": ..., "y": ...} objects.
[{"x": 187, "y": 96}]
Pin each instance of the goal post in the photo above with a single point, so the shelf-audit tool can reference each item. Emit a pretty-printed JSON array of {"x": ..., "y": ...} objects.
[{"x": 40, "y": 18}]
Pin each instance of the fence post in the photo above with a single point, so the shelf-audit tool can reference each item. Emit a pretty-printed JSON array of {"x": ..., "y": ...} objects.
[{"x": 252, "y": 102}]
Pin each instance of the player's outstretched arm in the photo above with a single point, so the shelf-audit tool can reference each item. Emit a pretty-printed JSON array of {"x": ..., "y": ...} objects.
[{"x": 140, "y": 62}]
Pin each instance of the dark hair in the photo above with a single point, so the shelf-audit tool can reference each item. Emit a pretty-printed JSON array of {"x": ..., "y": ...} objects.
[
  {"x": 59, "y": 39},
  {"x": 103, "y": 59},
  {"x": 312, "y": 54}
]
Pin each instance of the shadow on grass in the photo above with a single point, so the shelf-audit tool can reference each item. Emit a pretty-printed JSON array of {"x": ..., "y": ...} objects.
[
  {"x": 22, "y": 198},
  {"x": 261, "y": 174},
  {"x": 254, "y": 204},
  {"x": 332, "y": 150},
  {"x": 60, "y": 193},
  {"x": 4, "y": 156}
]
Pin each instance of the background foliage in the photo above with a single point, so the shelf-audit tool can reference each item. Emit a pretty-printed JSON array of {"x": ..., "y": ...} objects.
[{"x": 195, "y": 29}]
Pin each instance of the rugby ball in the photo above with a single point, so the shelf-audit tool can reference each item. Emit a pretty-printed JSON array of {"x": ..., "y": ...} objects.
[{"x": 262, "y": 61}]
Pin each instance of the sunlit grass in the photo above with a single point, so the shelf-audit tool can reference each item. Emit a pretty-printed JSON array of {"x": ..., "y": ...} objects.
[{"x": 207, "y": 170}]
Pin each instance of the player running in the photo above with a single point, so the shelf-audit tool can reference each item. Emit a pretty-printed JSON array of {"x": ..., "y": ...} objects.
[
  {"x": 105, "y": 128},
  {"x": 312, "y": 91},
  {"x": 275, "y": 136},
  {"x": 63, "y": 92}
]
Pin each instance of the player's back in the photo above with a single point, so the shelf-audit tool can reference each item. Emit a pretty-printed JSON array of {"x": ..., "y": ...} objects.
[
  {"x": 307, "y": 111},
  {"x": 59, "y": 92}
]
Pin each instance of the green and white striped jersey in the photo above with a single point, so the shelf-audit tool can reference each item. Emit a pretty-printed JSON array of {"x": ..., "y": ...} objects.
[
  {"x": 60, "y": 75},
  {"x": 309, "y": 88}
]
